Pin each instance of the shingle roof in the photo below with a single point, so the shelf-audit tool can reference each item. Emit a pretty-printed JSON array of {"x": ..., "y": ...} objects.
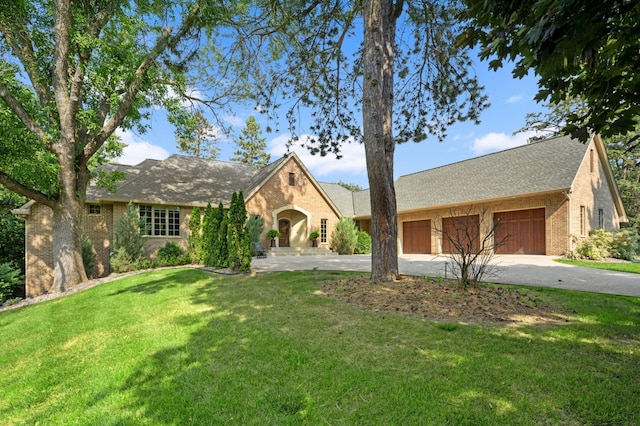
[
  {"x": 182, "y": 180},
  {"x": 341, "y": 197},
  {"x": 544, "y": 166},
  {"x": 131, "y": 172}
]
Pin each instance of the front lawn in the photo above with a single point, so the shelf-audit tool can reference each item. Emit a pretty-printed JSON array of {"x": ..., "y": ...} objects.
[
  {"x": 177, "y": 347},
  {"x": 609, "y": 266}
]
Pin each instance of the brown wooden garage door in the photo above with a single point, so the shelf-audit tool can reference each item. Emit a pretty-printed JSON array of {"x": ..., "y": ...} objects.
[
  {"x": 524, "y": 230},
  {"x": 417, "y": 237},
  {"x": 461, "y": 231}
]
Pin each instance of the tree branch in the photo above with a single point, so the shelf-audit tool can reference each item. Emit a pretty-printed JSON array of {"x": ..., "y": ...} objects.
[
  {"x": 21, "y": 189},
  {"x": 165, "y": 41},
  {"x": 16, "y": 106}
]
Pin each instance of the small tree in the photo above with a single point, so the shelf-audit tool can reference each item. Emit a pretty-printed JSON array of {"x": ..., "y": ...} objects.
[
  {"x": 238, "y": 239},
  {"x": 255, "y": 228},
  {"x": 345, "y": 236},
  {"x": 221, "y": 247},
  {"x": 363, "y": 246},
  {"x": 128, "y": 235},
  {"x": 209, "y": 236},
  {"x": 470, "y": 251},
  {"x": 88, "y": 256}
]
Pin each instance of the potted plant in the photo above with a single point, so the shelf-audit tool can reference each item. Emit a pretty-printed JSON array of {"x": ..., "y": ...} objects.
[
  {"x": 313, "y": 237},
  {"x": 273, "y": 234}
]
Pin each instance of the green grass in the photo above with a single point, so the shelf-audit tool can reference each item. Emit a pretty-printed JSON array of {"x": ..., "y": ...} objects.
[
  {"x": 178, "y": 347},
  {"x": 609, "y": 266}
]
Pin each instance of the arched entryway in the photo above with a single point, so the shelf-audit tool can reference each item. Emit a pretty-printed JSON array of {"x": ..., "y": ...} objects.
[
  {"x": 284, "y": 226},
  {"x": 294, "y": 226}
]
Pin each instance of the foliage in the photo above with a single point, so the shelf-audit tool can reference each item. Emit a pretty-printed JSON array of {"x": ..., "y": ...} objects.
[
  {"x": 195, "y": 136},
  {"x": 11, "y": 228},
  {"x": 345, "y": 236},
  {"x": 273, "y": 233},
  {"x": 625, "y": 244},
  {"x": 238, "y": 238},
  {"x": 128, "y": 237},
  {"x": 255, "y": 228},
  {"x": 601, "y": 244},
  {"x": 250, "y": 146},
  {"x": 10, "y": 280},
  {"x": 71, "y": 73},
  {"x": 210, "y": 229},
  {"x": 170, "y": 252},
  {"x": 195, "y": 241},
  {"x": 576, "y": 48},
  {"x": 88, "y": 256},
  {"x": 314, "y": 235},
  {"x": 363, "y": 244},
  {"x": 221, "y": 243},
  {"x": 121, "y": 261},
  {"x": 350, "y": 186}
]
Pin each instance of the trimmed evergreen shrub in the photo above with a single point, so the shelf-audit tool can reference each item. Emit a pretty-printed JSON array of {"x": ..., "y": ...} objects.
[
  {"x": 345, "y": 236},
  {"x": 170, "y": 254},
  {"x": 128, "y": 235},
  {"x": 363, "y": 244},
  {"x": 88, "y": 256},
  {"x": 121, "y": 261},
  {"x": 196, "y": 252}
]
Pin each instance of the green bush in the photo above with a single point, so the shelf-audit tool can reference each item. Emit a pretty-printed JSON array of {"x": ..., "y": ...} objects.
[
  {"x": 121, "y": 261},
  {"x": 170, "y": 252},
  {"x": 88, "y": 256},
  {"x": 363, "y": 245},
  {"x": 10, "y": 280},
  {"x": 255, "y": 227},
  {"x": 595, "y": 246},
  {"x": 624, "y": 244},
  {"x": 345, "y": 236},
  {"x": 128, "y": 236}
]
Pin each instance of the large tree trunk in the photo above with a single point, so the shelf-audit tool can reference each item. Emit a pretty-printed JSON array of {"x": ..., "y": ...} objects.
[
  {"x": 67, "y": 220},
  {"x": 377, "y": 109}
]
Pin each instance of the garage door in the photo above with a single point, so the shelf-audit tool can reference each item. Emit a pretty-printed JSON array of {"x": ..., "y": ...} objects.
[
  {"x": 524, "y": 231},
  {"x": 417, "y": 237},
  {"x": 461, "y": 232}
]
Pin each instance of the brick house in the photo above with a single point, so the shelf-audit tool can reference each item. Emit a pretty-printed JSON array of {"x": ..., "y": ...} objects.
[{"x": 542, "y": 194}]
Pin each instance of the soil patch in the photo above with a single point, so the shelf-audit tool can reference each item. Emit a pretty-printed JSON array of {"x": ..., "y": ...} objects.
[{"x": 443, "y": 300}]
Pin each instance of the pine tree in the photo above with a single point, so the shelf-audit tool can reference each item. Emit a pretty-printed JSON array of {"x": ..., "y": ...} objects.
[{"x": 251, "y": 147}]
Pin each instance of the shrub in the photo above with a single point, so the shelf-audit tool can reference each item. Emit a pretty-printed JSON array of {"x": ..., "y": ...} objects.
[
  {"x": 121, "y": 261},
  {"x": 10, "y": 280},
  {"x": 363, "y": 244},
  {"x": 170, "y": 253},
  {"x": 88, "y": 256},
  {"x": 595, "y": 246},
  {"x": 128, "y": 236},
  {"x": 195, "y": 236},
  {"x": 624, "y": 244},
  {"x": 345, "y": 236}
]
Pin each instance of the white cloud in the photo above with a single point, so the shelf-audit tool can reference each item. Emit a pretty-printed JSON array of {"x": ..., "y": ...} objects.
[
  {"x": 352, "y": 162},
  {"x": 515, "y": 99},
  {"x": 492, "y": 142},
  {"x": 138, "y": 149},
  {"x": 234, "y": 120}
]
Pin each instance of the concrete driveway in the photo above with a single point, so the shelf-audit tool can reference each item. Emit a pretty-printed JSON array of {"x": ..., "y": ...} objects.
[{"x": 526, "y": 270}]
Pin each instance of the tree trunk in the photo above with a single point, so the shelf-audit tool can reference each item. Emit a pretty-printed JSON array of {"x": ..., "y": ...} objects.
[{"x": 377, "y": 109}]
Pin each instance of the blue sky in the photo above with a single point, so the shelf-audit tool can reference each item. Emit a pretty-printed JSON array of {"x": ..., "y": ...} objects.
[{"x": 511, "y": 99}]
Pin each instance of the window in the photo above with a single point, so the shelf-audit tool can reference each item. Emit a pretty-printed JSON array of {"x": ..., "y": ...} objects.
[
  {"x": 323, "y": 231},
  {"x": 94, "y": 209},
  {"x": 582, "y": 220},
  {"x": 600, "y": 218},
  {"x": 160, "y": 221},
  {"x": 292, "y": 179}
]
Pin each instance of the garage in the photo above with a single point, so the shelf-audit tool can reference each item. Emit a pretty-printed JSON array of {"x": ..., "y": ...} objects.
[
  {"x": 416, "y": 237},
  {"x": 524, "y": 231},
  {"x": 461, "y": 232}
]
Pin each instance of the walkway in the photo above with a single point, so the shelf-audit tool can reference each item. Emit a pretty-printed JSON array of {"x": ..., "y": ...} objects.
[{"x": 539, "y": 271}]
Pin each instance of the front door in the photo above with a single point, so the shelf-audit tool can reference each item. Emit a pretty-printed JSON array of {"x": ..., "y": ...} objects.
[{"x": 284, "y": 226}]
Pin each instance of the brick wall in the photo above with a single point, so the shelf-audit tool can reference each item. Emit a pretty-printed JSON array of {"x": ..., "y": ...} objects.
[{"x": 555, "y": 205}]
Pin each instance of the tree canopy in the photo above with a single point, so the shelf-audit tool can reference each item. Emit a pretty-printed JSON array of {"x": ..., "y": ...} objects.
[
  {"x": 577, "y": 49},
  {"x": 72, "y": 72}
]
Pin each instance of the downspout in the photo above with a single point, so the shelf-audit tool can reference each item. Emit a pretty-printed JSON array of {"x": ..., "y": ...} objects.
[{"x": 567, "y": 195}]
